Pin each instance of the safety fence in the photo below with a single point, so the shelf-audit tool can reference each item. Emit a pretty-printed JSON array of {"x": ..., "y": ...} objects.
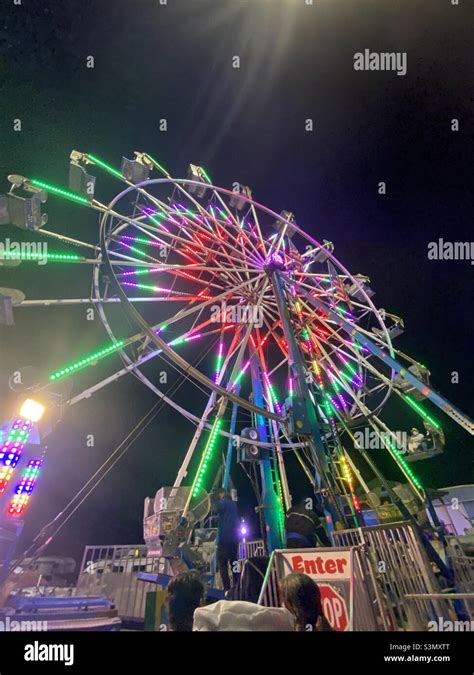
[
  {"x": 404, "y": 590},
  {"x": 112, "y": 571},
  {"x": 393, "y": 585},
  {"x": 463, "y": 568},
  {"x": 252, "y": 549},
  {"x": 457, "y": 615}
]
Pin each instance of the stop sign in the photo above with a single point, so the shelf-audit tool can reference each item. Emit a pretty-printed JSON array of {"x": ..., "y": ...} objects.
[{"x": 334, "y": 607}]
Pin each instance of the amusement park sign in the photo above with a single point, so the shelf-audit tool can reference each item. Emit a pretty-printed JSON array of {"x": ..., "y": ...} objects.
[{"x": 332, "y": 569}]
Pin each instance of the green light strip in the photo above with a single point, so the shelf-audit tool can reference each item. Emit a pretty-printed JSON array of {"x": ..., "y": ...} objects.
[
  {"x": 345, "y": 376},
  {"x": 41, "y": 256},
  {"x": 86, "y": 361},
  {"x": 60, "y": 192},
  {"x": 150, "y": 242},
  {"x": 273, "y": 396},
  {"x": 137, "y": 272},
  {"x": 136, "y": 250},
  {"x": 95, "y": 356},
  {"x": 185, "y": 212},
  {"x": 154, "y": 219},
  {"x": 351, "y": 369},
  {"x": 335, "y": 384},
  {"x": 281, "y": 511},
  {"x": 147, "y": 287},
  {"x": 158, "y": 165},
  {"x": 206, "y": 457},
  {"x": 106, "y": 167},
  {"x": 422, "y": 412},
  {"x": 328, "y": 405},
  {"x": 205, "y": 175},
  {"x": 238, "y": 378},
  {"x": 406, "y": 468}
]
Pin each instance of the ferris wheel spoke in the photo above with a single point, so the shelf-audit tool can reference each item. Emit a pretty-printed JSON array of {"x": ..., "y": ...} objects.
[
  {"x": 228, "y": 259},
  {"x": 238, "y": 249},
  {"x": 319, "y": 364},
  {"x": 219, "y": 375},
  {"x": 333, "y": 349},
  {"x": 385, "y": 382},
  {"x": 128, "y": 260},
  {"x": 109, "y": 212},
  {"x": 203, "y": 211},
  {"x": 165, "y": 267},
  {"x": 276, "y": 369},
  {"x": 335, "y": 377},
  {"x": 225, "y": 295},
  {"x": 212, "y": 253},
  {"x": 321, "y": 325},
  {"x": 223, "y": 242},
  {"x": 141, "y": 226},
  {"x": 127, "y": 238},
  {"x": 278, "y": 340},
  {"x": 183, "y": 274},
  {"x": 318, "y": 290},
  {"x": 325, "y": 277},
  {"x": 69, "y": 240},
  {"x": 131, "y": 247},
  {"x": 225, "y": 245},
  {"x": 256, "y": 256},
  {"x": 172, "y": 238},
  {"x": 204, "y": 232},
  {"x": 387, "y": 343},
  {"x": 259, "y": 231},
  {"x": 377, "y": 387},
  {"x": 336, "y": 332},
  {"x": 144, "y": 193},
  {"x": 46, "y": 302}
]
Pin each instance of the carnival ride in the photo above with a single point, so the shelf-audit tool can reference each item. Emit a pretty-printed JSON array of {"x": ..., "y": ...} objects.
[{"x": 303, "y": 356}]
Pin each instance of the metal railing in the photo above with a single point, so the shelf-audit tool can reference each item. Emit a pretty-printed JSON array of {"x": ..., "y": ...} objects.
[
  {"x": 393, "y": 558},
  {"x": 454, "y": 605},
  {"x": 270, "y": 591},
  {"x": 112, "y": 571},
  {"x": 463, "y": 568},
  {"x": 252, "y": 549}
]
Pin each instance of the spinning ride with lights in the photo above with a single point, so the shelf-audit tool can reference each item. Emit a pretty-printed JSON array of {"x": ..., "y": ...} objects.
[{"x": 283, "y": 346}]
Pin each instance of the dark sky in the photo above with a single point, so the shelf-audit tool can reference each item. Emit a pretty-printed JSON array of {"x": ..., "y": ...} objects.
[{"x": 248, "y": 124}]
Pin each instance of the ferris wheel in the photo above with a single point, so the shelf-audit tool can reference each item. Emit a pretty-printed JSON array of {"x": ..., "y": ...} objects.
[{"x": 282, "y": 342}]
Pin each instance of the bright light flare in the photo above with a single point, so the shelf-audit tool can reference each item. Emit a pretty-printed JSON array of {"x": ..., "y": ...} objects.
[{"x": 32, "y": 410}]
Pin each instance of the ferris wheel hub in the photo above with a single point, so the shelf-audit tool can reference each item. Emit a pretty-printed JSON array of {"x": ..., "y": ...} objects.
[{"x": 274, "y": 262}]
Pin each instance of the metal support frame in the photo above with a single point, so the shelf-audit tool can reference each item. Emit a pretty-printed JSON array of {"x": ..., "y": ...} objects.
[
  {"x": 296, "y": 363},
  {"x": 270, "y": 504},
  {"x": 316, "y": 442},
  {"x": 230, "y": 444}
]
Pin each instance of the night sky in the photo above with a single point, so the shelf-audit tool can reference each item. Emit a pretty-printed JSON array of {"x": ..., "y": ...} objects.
[{"x": 174, "y": 61}]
